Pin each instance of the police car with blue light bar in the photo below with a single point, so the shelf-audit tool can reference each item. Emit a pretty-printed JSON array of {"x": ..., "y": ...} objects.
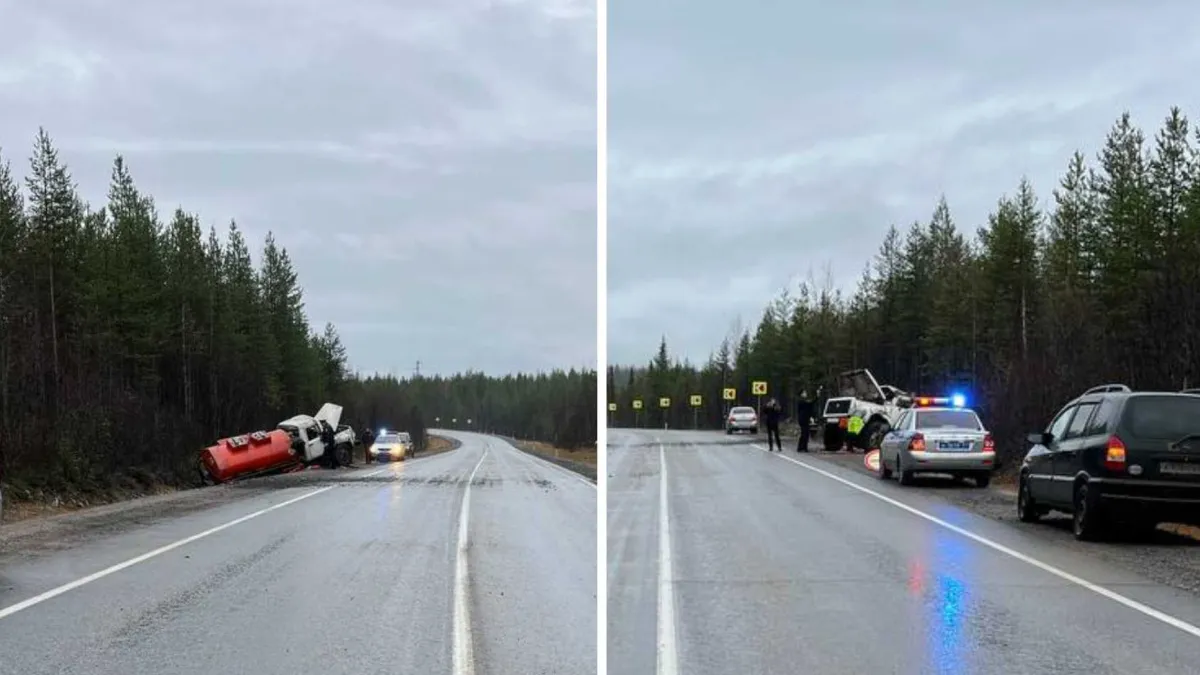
[{"x": 938, "y": 435}]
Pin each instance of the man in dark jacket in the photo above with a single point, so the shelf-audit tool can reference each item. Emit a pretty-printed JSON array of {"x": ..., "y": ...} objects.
[
  {"x": 772, "y": 412},
  {"x": 804, "y": 413},
  {"x": 368, "y": 437}
]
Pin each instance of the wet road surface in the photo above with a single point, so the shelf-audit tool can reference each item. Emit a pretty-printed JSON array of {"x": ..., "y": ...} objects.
[
  {"x": 751, "y": 562},
  {"x": 354, "y": 571}
]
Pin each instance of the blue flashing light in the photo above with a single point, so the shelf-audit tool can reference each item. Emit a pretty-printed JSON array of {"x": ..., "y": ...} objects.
[{"x": 958, "y": 400}]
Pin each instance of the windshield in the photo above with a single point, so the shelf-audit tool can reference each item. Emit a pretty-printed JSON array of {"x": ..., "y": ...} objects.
[
  {"x": 404, "y": 437},
  {"x": 386, "y": 439},
  {"x": 742, "y": 411},
  {"x": 948, "y": 419},
  {"x": 1167, "y": 417}
]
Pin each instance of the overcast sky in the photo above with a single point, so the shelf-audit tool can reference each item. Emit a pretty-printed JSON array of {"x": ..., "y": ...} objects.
[
  {"x": 752, "y": 142},
  {"x": 429, "y": 164}
]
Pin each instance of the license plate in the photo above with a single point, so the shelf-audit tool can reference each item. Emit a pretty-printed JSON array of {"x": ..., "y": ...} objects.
[
  {"x": 954, "y": 445},
  {"x": 1179, "y": 468}
]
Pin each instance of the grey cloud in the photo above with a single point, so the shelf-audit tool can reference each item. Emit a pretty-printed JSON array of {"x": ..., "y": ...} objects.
[
  {"x": 430, "y": 166},
  {"x": 767, "y": 141}
]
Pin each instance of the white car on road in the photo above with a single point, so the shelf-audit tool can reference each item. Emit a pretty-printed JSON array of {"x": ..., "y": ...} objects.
[{"x": 742, "y": 418}]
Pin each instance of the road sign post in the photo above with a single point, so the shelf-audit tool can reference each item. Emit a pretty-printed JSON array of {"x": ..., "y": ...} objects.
[
  {"x": 637, "y": 413},
  {"x": 664, "y": 403},
  {"x": 729, "y": 394},
  {"x": 612, "y": 408},
  {"x": 696, "y": 401},
  {"x": 759, "y": 389}
]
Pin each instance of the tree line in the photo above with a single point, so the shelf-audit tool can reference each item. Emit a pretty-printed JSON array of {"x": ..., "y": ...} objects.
[
  {"x": 129, "y": 341},
  {"x": 558, "y": 407},
  {"x": 1099, "y": 284}
]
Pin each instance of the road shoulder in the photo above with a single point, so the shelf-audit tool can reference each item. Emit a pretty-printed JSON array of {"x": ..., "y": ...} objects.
[{"x": 582, "y": 462}]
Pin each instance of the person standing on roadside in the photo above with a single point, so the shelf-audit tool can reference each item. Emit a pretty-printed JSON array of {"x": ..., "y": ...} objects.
[
  {"x": 368, "y": 437},
  {"x": 772, "y": 412},
  {"x": 804, "y": 413}
]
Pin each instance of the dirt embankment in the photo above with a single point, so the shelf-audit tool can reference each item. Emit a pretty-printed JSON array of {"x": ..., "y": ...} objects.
[{"x": 583, "y": 462}]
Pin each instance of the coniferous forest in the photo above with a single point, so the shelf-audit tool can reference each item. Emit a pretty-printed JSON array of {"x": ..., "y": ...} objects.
[
  {"x": 1095, "y": 282},
  {"x": 129, "y": 339}
]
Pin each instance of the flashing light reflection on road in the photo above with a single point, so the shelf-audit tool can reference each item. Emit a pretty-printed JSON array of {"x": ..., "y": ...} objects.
[{"x": 946, "y": 601}]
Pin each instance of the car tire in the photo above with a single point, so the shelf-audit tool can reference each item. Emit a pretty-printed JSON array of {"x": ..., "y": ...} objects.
[
  {"x": 872, "y": 436},
  {"x": 983, "y": 479},
  {"x": 1027, "y": 510},
  {"x": 1087, "y": 522},
  {"x": 754, "y": 430},
  {"x": 906, "y": 476}
]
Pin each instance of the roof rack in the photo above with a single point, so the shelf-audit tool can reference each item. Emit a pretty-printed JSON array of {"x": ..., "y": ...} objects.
[{"x": 1107, "y": 388}]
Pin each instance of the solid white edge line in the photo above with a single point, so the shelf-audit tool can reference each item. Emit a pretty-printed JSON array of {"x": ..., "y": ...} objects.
[
  {"x": 37, "y": 599},
  {"x": 668, "y": 656},
  {"x": 463, "y": 649},
  {"x": 1012, "y": 553}
]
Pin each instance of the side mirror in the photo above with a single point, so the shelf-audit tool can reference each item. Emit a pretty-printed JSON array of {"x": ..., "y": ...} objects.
[
  {"x": 904, "y": 401},
  {"x": 1040, "y": 438}
]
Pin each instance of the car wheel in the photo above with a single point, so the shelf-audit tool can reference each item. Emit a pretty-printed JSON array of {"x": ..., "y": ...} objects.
[
  {"x": 1087, "y": 521},
  {"x": 872, "y": 436},
  {"x": 1027, "y": 510},
  {"x": 983, "y": 479},
  {"x": 906, "y": 476}
]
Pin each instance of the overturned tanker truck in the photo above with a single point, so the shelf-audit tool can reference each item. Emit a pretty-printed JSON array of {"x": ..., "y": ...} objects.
[{"x": 295, "y": 443}]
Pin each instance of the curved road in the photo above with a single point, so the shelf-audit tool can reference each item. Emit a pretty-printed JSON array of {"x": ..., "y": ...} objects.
[
  {"x": 479, "y": 560},
  {"x": 724, "y": 558}
]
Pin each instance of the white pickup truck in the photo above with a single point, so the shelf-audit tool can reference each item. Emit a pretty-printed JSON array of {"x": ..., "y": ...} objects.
[{"x": 879, "y": 406}]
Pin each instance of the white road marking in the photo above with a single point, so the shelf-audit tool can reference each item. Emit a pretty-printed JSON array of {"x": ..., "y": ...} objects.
[
  {"x": 1029, "y": 560},
  {"x": 53, "y": 593},
  {"x": 463, "y": 654},
  {"x": 668, "y": 656}
]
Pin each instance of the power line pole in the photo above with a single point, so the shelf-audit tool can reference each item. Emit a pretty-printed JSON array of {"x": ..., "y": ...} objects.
[{"x": 417, "y": 370}]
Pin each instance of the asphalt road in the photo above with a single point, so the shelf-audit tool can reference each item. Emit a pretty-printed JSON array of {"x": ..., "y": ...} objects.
[
  {"x": 743, "y": 561},
  {"x": 354, "y": 571}
]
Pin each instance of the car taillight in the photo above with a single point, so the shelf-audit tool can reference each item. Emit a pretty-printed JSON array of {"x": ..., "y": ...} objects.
[
  {"x": 989, "y": 445},
  {"x": 917, "y": 443},
  {"x": 1114, "y": 454}
]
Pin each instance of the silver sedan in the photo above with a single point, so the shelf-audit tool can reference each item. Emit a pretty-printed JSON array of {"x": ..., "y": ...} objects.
[{"x": 945, "y": 440}]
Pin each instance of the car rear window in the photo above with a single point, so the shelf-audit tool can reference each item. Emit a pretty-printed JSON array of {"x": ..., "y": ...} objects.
[
  {"x": 1167, "y": 417},
  {"x": 947, "y": 419},
  {"x": 741, "y": 411},
  {"x": 388, "y": 438}
]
